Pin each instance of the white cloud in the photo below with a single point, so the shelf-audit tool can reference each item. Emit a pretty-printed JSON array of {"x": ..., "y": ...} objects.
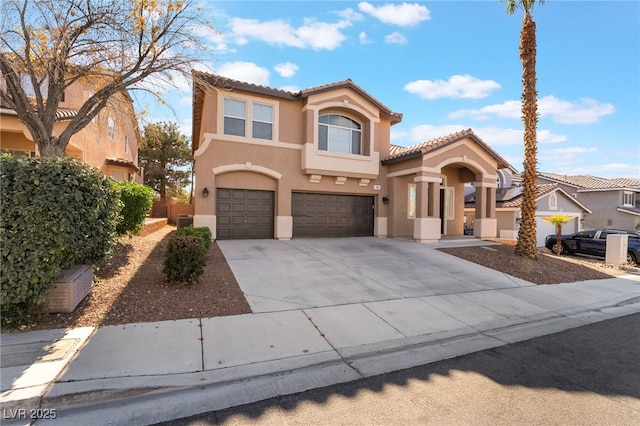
[
  {"x": 350, "y": 15},
  {"x": 570, "y": 150},
  {"x": 395, "y": 38},
  {"x": 607, "y": 170},
  {"x": 458, "y": 86},
  {"x": 292, "y": 89},
  {"x": 508, "y": 109},
  {"x": 404, "y": 15},
  {"x": 213, "y": 37},
  {"x": 313, "y": 34},
  {"x": 585, "y": 111},
  {"x": 244, "y": 71},
  {"x": 363, "y": 38},
  {"x": 286, "y": 69}
]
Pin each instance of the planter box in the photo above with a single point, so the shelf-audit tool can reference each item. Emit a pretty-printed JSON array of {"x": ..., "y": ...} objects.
[{"x": 69, "y": 289}]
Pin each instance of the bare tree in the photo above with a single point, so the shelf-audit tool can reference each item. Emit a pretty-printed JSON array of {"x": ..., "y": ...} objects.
[{"x": 47, "y": 45}]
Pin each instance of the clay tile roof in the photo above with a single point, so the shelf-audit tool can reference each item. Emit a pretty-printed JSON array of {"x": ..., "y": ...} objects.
[
  {"x": 226, "y": 83},
  {"x": 348, "y": 83},
  {"x": 434, "y": 144},
  {"x": 65, "y": 114},
  {"x": 592, "y": 182},
  {"x": 62, "y": 114},
  {"x": 122, "y": 162}
]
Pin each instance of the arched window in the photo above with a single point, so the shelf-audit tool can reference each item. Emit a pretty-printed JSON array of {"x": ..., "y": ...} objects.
[
  {"x": 553, "y": 201},
  {"x": 111, "y": 128},
  {"x": 337, "y": 133}
]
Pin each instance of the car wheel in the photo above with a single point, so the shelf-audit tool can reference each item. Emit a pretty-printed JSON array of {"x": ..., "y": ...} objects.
[
  {"x": 631, "y": 258},
  {"x": 563, "y": 248}
]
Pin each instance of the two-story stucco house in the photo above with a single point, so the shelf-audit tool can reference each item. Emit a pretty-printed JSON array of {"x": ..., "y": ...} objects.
[
  {"x": 614, "y": 203},
  {"x": 319, "y": 162},
  {"x": 109, "y": 143}
]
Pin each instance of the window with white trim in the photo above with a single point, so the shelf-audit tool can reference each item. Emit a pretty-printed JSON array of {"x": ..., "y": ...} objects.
[
  {"x": 262, "y": 121},
  {"x": 553, "y": 201},
  {"x": 111, "y": 128},
  {"x": 411, "y": 201},
  {"x": 235, "y": 116},
  {"x": 337, "y": 133},
  {"x": 628, "y": 199}
]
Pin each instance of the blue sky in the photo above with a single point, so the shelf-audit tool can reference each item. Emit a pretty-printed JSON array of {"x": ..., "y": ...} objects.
[{"x": 448, "y": 66}]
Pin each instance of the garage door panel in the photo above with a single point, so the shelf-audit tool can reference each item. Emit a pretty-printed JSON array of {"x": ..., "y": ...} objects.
[
  {"x": 244, "y": 214},
  {"x": 331, "y": 215}
]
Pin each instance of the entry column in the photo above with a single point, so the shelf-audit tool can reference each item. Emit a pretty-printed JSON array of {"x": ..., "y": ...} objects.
[
  {"x": 485, "y": 224},
  {"x": 426, "y": 225}
]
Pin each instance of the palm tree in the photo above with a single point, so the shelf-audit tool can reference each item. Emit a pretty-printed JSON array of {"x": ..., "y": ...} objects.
[
  {"x": 558, "y": 220},
  {"x": 526, "y": 245}
]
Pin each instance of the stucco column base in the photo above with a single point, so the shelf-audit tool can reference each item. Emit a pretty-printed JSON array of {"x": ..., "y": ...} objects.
[
  {"x": 205, "y": 220},
  {"x": 284, "y": 227},
  {"x": 485, "y": 228},
  {"x": 426, "y": 229},
  {"x": 380, "y": 227}
]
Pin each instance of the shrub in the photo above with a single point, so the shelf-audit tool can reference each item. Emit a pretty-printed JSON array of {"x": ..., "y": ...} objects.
[
  {"x": 54, "y": 213},
  {"x": 136, "y": 201},
  {"x": 200, "y": 232},
  {"x": 185, "y": 259}
]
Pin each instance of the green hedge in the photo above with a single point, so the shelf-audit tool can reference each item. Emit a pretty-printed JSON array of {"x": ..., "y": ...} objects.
[
  {"x": 185, "y": 259},
  {"x": 137, "y": 201},
  {"x": 54, "y": 213},
  {"x": 201, "y": 232}
]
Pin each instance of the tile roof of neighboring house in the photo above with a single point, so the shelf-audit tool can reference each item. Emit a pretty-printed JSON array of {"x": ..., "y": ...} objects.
[
  {"x": 224, "y": 83},
  {"x": 399, "y": 153},
  {"x": 62, "y": 114},
  {"x": 513, "y": 197},
  {"x": 591, "y": 182},
  {"x": 122, "y": 162}
]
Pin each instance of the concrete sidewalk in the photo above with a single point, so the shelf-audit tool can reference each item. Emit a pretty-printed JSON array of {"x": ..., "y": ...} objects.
[{"x": 152, "y": 372}]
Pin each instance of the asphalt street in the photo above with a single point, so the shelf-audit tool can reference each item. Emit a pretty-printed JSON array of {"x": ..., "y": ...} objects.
[{"x": 588, "y": 375}]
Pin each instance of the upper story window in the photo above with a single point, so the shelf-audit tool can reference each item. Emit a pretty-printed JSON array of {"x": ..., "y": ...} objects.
[
  {"x": 553, "y": 201},
  {"x": 628, "y": 199},
  {"x": 337, "y": 133},
  {"x": 262, "y": 121},
  {"x": 111, "y": 128},
  {"x": 235, "y": 115},
  {"x": 236, "y": 119}
]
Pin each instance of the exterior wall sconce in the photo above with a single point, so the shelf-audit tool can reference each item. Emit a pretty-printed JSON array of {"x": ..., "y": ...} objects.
[
  {"x": 205, "y": 192},
  {"x": 385, "y": 200},
  {"x": 518, "y": 220}
]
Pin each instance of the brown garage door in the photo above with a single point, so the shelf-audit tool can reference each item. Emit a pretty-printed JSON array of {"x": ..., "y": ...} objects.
[
  {"x": 243, "y": 214},
  {"x": 331, "y": 215}
]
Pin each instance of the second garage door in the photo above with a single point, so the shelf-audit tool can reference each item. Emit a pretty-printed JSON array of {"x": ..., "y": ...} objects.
[
  {"x": 244, "y": 214},
  {"x": 331, "y": 215}
]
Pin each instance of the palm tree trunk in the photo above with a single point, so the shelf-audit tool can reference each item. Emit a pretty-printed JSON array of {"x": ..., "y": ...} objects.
[{"x": 526, "y": 245}]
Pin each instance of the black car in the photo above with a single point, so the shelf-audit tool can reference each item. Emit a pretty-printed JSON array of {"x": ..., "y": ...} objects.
[{"x": 594, "y": 242}]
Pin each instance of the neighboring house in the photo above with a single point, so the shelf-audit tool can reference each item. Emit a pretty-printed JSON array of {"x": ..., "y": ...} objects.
[
  {"x": 551, "y": 200},
  {"x": 319, "y": 162},
  {"x": 109, "y": 143},
  {"x": 614, "y": 203}
]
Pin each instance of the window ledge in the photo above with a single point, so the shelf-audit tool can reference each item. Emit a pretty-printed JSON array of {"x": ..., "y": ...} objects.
[{"x": 328, "y": 163}]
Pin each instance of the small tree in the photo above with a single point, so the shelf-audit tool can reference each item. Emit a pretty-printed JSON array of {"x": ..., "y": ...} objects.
[
  {"x": 165, "y": 154},
  {"x": 558, "y": 220}
]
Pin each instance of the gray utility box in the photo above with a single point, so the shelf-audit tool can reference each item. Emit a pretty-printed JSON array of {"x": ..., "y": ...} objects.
[
  {"x": 616, "y": 252},
  {"x": 69, "y": 289}
]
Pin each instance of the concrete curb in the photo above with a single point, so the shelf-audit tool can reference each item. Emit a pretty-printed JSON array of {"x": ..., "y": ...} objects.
[{"x": 152, "y": 399}]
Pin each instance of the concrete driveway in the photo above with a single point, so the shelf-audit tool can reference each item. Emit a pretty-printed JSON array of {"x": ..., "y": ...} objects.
[{"x": 309, "y": 273}]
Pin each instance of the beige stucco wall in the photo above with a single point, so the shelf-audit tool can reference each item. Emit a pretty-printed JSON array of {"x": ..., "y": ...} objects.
[
  {"x": 290, "y": 162},
  {"x": 92, "y": 144}
]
